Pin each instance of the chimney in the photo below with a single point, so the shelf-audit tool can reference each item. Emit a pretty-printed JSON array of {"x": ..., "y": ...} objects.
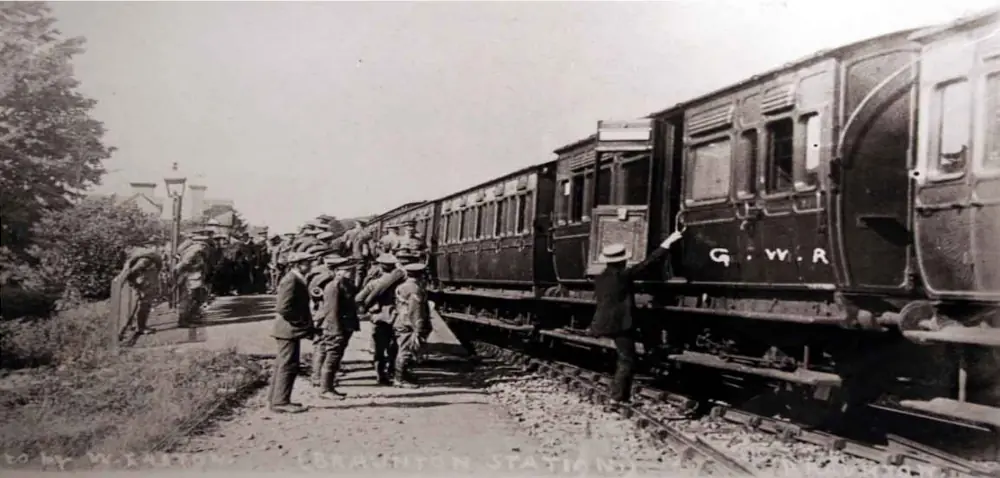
[
  {"x": 146, "y": 189},
  {"x": 196, "y": 201}
]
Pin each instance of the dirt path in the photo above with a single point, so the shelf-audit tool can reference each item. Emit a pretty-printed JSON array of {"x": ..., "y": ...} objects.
[{"x": 447, "y": 425}]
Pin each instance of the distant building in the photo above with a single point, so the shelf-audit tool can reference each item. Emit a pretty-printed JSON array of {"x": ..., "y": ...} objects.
[{"x": 194, "y": 204}]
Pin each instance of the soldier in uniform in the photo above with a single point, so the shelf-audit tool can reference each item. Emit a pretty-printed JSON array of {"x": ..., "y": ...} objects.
[
  {"x": 142, "y": 271},
  {"x": 338, "y": 319},
  {"x": 192, "y": 268},
  {"x": 412, "y": 323},
  {"x": 411, "y": 240},
  {"x": 317, "y": 279},
  {"x": 378, "y": 298},
  {"x": 357, "y": 242},
  {"x": 390, "y": 241}
]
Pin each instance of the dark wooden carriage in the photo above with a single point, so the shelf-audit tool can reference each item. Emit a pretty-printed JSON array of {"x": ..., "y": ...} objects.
[{"x": 494, "y": 235}]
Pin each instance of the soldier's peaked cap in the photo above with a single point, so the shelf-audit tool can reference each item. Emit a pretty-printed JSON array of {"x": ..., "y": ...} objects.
[
  {"x": 407, "y": 222},
  {"x": 324, "y": 235},
  {"x": 405, "y": 256},
  {"x": 296, "y": 257},
  {"x": 414, "y": 267},
  {"x": 385, "y": 258},
  {"x": 335, "y": 260}
]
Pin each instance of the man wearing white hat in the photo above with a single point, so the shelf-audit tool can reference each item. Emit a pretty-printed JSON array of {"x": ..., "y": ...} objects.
[
  {"x": 292, "y": 323},
  {"x": 613, "y": 290}
]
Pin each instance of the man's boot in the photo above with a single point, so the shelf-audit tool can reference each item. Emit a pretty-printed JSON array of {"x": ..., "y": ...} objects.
[
  {"x": 329, "y": 392},
  {"x": 383, "y": 374},
  {"x": 400, "y": 380}
]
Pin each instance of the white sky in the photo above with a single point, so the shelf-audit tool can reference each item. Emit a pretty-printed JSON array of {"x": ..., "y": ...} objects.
[{"x": 296, "y": 109}]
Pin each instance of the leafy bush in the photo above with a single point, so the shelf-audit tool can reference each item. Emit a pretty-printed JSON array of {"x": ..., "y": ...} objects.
[
  {"x": 16, "y": 302},
  {"x": 84, "y": 247}
]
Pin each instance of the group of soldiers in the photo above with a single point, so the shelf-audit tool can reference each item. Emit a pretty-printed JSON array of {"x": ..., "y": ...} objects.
[
  {"x": 207, "y": 264},
  {"x": 358, "y": 243},
  {"x": 328, "y": 284}
]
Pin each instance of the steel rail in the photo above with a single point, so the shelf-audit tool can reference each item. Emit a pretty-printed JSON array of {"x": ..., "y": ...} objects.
[{"x": 901, "y": 452}]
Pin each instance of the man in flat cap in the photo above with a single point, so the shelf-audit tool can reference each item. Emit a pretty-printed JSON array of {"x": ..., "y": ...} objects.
[
  {"x": 613, "y": 290},
  {"x": 337, "y": 318},
  {"x": 378, "y": 298},
  {"x": 292, "y": 323}
]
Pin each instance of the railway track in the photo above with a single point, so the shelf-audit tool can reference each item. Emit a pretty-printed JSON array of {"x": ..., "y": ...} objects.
[{"x": 673, "y": 419}]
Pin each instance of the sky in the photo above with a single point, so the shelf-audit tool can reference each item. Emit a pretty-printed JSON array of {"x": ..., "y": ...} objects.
[{"x": 296, "y": 109}]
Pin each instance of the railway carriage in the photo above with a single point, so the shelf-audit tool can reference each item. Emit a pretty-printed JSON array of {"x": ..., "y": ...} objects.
[
  {"x": 493, "y": 236},
  {"x": 381, "y": 222},
  {"x": 831, "y": 207}
]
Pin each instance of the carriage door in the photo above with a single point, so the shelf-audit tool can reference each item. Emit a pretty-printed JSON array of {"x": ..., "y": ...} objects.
[
  {"x": 622, "y": 189},
  {"x": 957, "y": 207}
]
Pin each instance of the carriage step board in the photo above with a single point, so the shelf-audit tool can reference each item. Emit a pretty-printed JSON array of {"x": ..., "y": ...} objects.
[
  {"x": 989, "y": 337},
  {"x": 603, "y": 342},
  {"x": 971, "y": 412},
  {"x": 805, "y": 377},
  {"x": 485, "y": 321}
]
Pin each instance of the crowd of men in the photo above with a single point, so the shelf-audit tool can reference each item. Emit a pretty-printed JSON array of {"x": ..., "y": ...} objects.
[
  {"x": 207, "y": 265},
  {"x": 327, "y": 284}
]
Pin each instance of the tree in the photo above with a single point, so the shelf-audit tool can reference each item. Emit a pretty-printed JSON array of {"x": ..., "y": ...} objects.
[
  {"x": 50, "y": 146},
  {"x": 84, "y": 247}
]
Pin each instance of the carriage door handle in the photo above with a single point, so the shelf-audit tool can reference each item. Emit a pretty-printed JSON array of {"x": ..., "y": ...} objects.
[{"x": 749, "y": 216}]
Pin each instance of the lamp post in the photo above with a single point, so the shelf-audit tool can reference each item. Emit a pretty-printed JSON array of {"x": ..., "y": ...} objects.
[{"x": 175, "y": 190}]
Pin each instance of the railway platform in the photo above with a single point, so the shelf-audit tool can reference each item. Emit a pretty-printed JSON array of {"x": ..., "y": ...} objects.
[{"x": 466, "y": 418}]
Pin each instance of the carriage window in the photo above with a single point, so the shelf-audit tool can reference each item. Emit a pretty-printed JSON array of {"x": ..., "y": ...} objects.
[
  {"x": 563, "y": 200},
  {"x": 603, "y": 193},
  {"x": 443, "y": 228},
  {"x": 473, "y": 217},
  {"x": 529, "y": 211},
  {"x": 635, "y": 180},
  {"x": 710, "y": 170},
  {"x": 814, "y": 131},
  {"x": 780, "y": 163},
  {"x": 746, "y": 168},
  {"x": 588, "y": 193},
  {"x": 501, "y": 214},
  {"x": 576, "y": 198},
  {"x": 511, "y": 215},
  {"x": 522, "y": 213},
  {"x": 954, "y": 105},
  {"x": 991, "y": 159},
  {"x": 480, "y": 221}
]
